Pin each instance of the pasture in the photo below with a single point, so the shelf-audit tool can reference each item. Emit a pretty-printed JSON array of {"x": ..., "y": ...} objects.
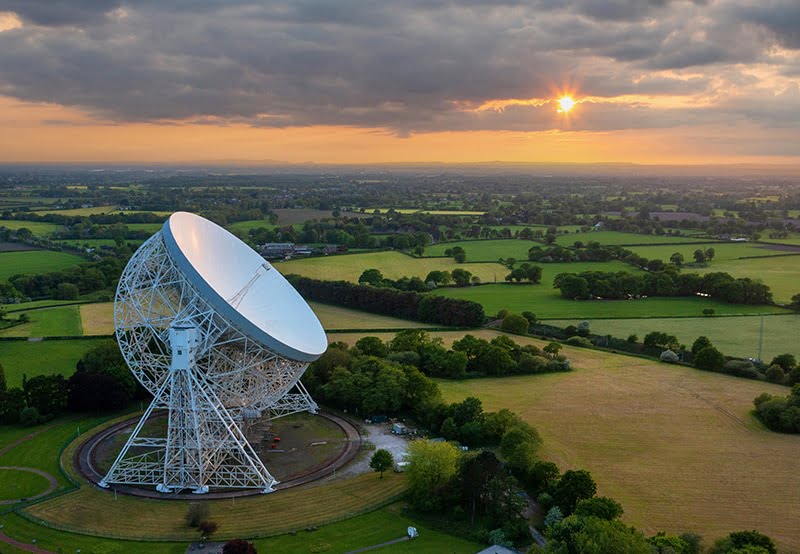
[
  {"x": 678, "y": 447},
  {"x": 48, "y": 322},
  {"x": 392, "y": 264},
  {"x": 42, "y": 358},
  {"x": 734, "y": 336},
  {"x": 486, "y": 250},
  {"x": 18, "y": 484},
  {"x": 40, "y": 228},
  {"x": 779, "y": 272},
  {"x": 36, "y": 261},
  {"x": 147, "y": 227},
  {"x": 724, "y": 251},
  {"x": 290, "y": 216},
  {"x": 93, "y": 210},
  {"x": 620, "y": 238}
]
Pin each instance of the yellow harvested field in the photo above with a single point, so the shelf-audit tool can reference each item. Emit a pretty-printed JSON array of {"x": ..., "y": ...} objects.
[
  {"x": 392, "y": 265},
  {"x": 678, "y": 447},
  {"x": 97, "y": 319}
]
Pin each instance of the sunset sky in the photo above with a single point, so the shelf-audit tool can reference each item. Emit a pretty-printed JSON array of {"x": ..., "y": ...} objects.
[{"x": 342, "y": 81}]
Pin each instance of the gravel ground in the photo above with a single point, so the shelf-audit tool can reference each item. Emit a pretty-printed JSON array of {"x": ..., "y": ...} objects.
[{"x": 381, "y": 436}]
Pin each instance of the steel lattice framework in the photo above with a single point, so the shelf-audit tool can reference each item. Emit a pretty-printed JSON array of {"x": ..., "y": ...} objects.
[{"x": 210, "y": 377}]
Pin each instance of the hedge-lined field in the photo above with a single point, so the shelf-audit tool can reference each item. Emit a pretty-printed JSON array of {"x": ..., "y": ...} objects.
[
  {"x": 36, "y": 227},
  {"x": 734, "y": 336},
  {"x": 35, "y": 261},
  {"x": 393, "y": 265},
  {"x": 678, "y": 447},
  {"x": 618, "y": 237},
  {"x": 48, "y": 322},
  {"x": 42, "y": 358}
]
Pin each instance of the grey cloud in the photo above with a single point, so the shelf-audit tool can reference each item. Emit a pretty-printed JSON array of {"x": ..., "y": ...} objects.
[{"x": 416, "y": 66}]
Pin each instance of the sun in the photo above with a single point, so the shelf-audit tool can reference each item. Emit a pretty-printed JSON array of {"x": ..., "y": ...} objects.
[{"x": 565, "y": 104}]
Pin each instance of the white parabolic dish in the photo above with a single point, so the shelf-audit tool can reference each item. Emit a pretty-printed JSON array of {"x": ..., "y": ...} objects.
[{"x": 243, "y": 287}]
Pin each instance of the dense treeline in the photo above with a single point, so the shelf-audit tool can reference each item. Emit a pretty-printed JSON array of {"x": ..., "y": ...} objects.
[
  {"x": 622, "y": 284},
  {"x": 388, "y": 301},
  {"x": 82, "y": 279},
  {"x": 101, "y": 382},
  {"x": 780, "y": 413}
]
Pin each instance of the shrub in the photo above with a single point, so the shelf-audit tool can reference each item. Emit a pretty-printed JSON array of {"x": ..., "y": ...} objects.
[
  {"x": 239, "y": 546},
  {"x": 633, "y": 338},
  {"x": 196, "y": 514},
  {"x": 741, "y": 368},
  {"x": 207, "y": 528},
  {"x": 775, "y": 374},
  {"x": 30, "y": 416},
  {"x": 515, "y": 323},
  {"x": 599, "y": 506},
  {"x": 669, "y": 357},
  {"x": 786, "y": 361},
  {"x": 710, "y": 359}
]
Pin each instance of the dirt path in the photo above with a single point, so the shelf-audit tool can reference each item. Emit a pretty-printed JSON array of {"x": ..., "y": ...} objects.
[
  {"x": 17, "y": 442},
  {"x": 24, "y": 546}
]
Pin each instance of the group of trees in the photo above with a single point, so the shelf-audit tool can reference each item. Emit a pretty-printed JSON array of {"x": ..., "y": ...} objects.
[
  {"x": 436, "y": 278},
  {"x": 68, "y": 283},
  {"x": 502, "y": 356},
  {"x": 700, "y": 256},
  {"x": 525, "y": 272},
  {"x": 101, "y": 382},
  {"x": 387, "y": 301},
  {"x": 40, "y": 399},
  {"x": 622, "y": 284},
  {"x": 780, "y": 413}
]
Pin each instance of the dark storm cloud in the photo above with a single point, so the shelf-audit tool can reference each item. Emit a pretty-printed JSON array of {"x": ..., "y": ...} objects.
[
  {"x": 780, "y": 17},
  {"x": 415, "y": 66}
]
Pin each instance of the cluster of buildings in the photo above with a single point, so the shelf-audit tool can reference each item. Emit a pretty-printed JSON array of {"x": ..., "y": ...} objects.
[{"x": 288, "y": 250}]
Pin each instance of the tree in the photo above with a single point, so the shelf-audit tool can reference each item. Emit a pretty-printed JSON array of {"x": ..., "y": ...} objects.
[
  {"x": 381, "y": 461},
  {"x": 677, "y": 259},
  {"x": 239, "y": 546},
  {"x": 699, "y": 256},
  {"x": 3, "y": 385},
  {"x": 795, "y": 303},
  {"x": 461, "y": 277},
  {"x": 460, "y": 257},
  {"x": 515, "y": 323},
  {"x": 30, "y": 416},
  {"x": 372, "y": 346},
  {"x": 12, "y": 402},
  {"x": 431, "y": 465},
  {"x": 574, "y": 287},
  {"x": 519, "y": 446},
  {"x": 599, "y": 506},
  {"x": 739, "y": 541},
  {"x": 700, "y": 343},
  {"x": 46, "y": 393},
  {"x": 573, "y": 486},
  {"x": 710, "y": 359},
  {"x": 372, "y": 277},
  {"x": 775, "y": 374},
  {"x": 583, "y": 328},
  {"x": 710, "y": 254},
  {"x": 419, "y": 251},
  {"x": 787, "y": 361},
  {"x": 553, "y": 517},
  {"x": 67, "y": 291},
  {"x": 552, "y": 348}
]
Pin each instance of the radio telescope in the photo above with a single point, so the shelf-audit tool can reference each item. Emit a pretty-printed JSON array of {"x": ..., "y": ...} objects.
[{"x": 219, "y": 338}]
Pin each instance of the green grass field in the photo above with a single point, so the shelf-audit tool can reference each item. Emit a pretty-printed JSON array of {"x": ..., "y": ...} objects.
[
  {"x": 617, "y": 237},
  {"x": 486, "y": 250},
  {"x": 94, "y": 210},
  {"x": 42, "y": 358},
  {"x": 725, "y": 251},
  {"x": 148, "y": 227},
  {"x": 19, "y": 484},
  {"x": 734, "y": 336},
  {"x": 93, "y": 243},
  {"x": 48, "y": 322},
  {"x": 36, "y": 261},
  {"x": 245, "y": 226},
  {"x": 677, "y": 447},
  {"x": 779, "y": 272},
  {"x": 36, "y": 227},
  {"x": 393, "y": 265}
]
